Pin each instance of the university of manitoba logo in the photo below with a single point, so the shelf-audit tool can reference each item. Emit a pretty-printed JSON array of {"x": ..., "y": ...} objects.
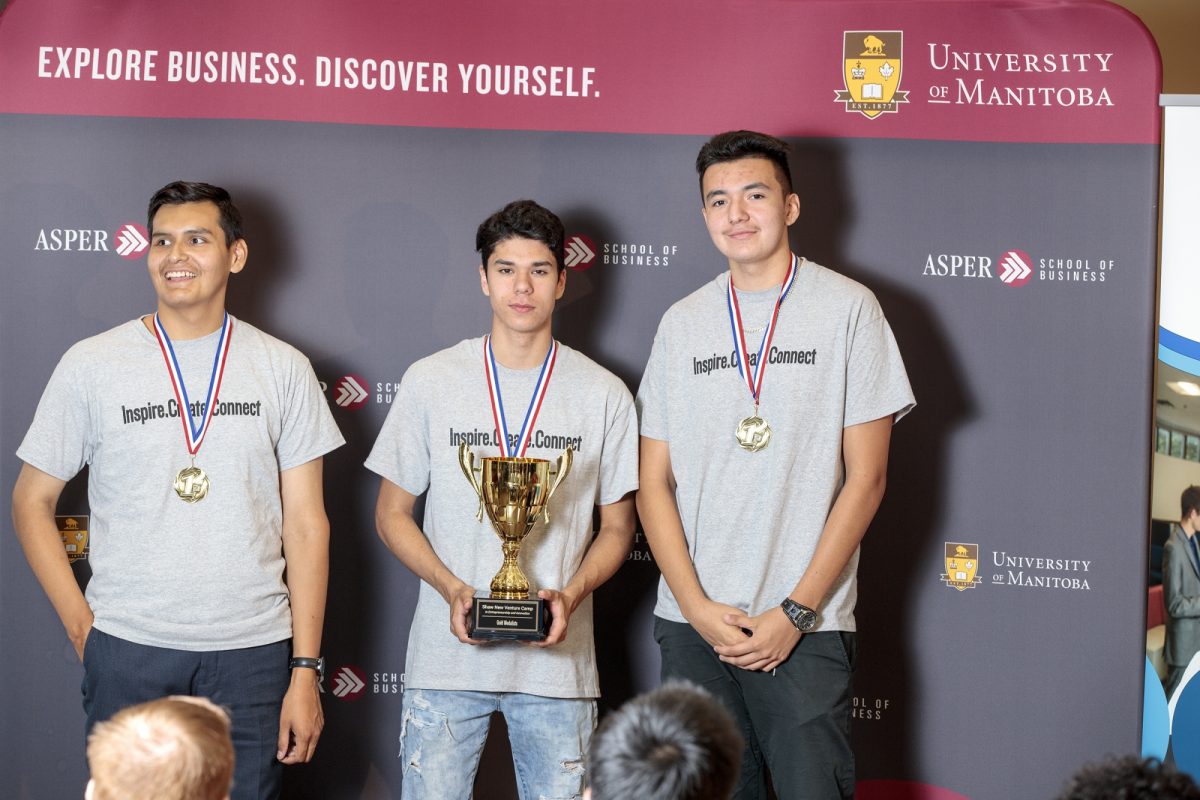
[
  {"x": 351, "y": 392},
  {"x": 872, "y": 61},
  {"x": 579, "y": 252},
  {"x": 962, "y": 564},
  {"x": 73, "y": 531}
]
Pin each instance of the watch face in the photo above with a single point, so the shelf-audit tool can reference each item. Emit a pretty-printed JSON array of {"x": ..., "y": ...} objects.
[{"x": 805, "y": 619}]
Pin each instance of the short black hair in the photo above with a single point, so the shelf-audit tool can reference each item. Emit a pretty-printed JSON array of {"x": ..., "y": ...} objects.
[
  {"x": 521, "y": 219},
  {"x": 1130, "y": 778},
  {"x": 674, "y": 743},
  {"x": 736, "y": 145},
  {"x": 1189, "y": 501},
  {"x": 180, "y": 192}
]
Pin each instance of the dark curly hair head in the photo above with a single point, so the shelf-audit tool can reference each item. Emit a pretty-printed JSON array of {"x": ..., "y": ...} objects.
[{"x": 1130, "y": 778}]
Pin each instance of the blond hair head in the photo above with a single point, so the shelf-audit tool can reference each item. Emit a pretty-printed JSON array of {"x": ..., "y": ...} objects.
[{"x": 175, "y": 748}]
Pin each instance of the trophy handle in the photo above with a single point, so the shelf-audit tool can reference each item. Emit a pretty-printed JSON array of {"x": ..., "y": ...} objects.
[
  {"x": 563, "y": 463},
  {"x": 466, "y": 460}
]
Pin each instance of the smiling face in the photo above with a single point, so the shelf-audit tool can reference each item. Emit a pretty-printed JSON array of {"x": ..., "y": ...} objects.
[
  {"x": 747, "y": 212},
  {"x": 523, "y": 282},
  {"x": 190, "y": 263}
]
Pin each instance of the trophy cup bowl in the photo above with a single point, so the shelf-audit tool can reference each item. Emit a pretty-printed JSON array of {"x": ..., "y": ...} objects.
[{"x": 514, "y": 492}]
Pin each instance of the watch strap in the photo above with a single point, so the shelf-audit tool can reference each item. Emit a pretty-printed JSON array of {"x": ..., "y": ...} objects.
[{"x": 309, "y": 663}]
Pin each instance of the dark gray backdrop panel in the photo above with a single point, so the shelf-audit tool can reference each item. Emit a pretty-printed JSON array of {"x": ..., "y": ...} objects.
[{"x": 1029, "y": 439}]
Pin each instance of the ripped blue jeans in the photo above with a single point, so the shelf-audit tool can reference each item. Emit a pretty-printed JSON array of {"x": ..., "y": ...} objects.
[{"x": 443, "y": 732}]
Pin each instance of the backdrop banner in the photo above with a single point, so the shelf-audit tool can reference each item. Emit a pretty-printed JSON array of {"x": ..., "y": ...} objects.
[{"x": 988, "y": 169}]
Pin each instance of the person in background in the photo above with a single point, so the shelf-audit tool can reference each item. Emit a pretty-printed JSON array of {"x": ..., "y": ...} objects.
[
  {"x": 1130, "y": 778},
  {"x": 174, "y": 748},
  {"x": 674, "y": 743},
  {"x": 1181, "y": 589}
]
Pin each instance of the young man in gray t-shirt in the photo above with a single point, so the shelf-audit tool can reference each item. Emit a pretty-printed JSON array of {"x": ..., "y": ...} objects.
[
  {"x": 199, "y": 432},
  {"x": 545, "y": 396},
  {"x": 766, "y": 412}
]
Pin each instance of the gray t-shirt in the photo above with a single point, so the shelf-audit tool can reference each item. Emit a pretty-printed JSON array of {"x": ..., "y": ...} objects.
[
  {"x": 443, "y": 401},
  {"x": 165, "y": 573},
  {"x": 753, "y": 520}
]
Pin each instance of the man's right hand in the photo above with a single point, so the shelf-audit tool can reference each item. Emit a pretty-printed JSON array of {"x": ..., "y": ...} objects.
[
  {"x": 79, "y": 637},
  {"x": 460, "y": 611},
  {"x": 707, "y": 617}
]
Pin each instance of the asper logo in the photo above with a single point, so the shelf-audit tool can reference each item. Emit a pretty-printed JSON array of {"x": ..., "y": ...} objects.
[
  {"x": 871, "y": 71},
  {"x": 962, "y": 565},
  {"x": 349, "y": 683},
  {"x": 1016, "y": 268},
  {"x": 132, "y": 240},
  {"x": 350, "y": 392},
  {"x": 579, "y": 252},
  {"x": 129, "y": 241}
]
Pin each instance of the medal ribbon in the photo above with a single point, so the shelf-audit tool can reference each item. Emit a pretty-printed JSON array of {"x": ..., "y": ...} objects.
[
  {"x": 194, "y": 434},
  {"x": 754, "y": 379},
  {"x": 535, "y": 403}
]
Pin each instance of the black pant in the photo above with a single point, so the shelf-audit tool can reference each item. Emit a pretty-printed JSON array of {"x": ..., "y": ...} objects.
[
  {"x": 249, "y": 683},
  {"x": 795, "y": 720}
]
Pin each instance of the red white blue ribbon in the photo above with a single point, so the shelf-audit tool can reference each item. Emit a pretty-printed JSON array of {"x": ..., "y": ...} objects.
[
  {"x": 194, "y": 434},
  {"x": 754, "y": 378},
  {"x": 535, "y": 403}
]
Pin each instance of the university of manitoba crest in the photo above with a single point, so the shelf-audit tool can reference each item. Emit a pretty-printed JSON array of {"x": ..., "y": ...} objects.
[
  {"x": 73, "y": 531},
  {"x": 871, "y": 69},
  {"x": 962, "y": 564}
]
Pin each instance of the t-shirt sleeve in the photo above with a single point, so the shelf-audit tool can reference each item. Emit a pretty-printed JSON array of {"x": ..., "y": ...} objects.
[
  {"x": 308, "y": 430},
  {"x": 61, "y": 437},
  {"x": 401, "y": 451},
  {"x": 652, "y": 393},
  {"x": 619, "y": 455},
  {"x": 876, "y": 381}
]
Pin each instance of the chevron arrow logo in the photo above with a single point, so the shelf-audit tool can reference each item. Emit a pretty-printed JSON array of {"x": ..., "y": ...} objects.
[
  {"x": 579, "y": 252},
  {"x": 348, "y": 683},
  {"x": 350, "y": 392},
  {"x": 1015, "y": 268},
  {"x": 132, "y": 240}
]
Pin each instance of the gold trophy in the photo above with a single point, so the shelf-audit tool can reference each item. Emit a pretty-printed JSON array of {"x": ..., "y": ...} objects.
[{"x": 515, "y": 493}]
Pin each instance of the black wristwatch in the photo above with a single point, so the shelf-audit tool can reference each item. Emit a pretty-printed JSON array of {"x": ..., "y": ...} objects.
[
  {"x": 803, "y": 617},
  {"x": 310, "y": 663}
]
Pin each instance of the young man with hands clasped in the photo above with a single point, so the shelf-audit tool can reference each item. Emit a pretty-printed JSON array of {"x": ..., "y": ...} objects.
[{"x": 761, "y": 473}]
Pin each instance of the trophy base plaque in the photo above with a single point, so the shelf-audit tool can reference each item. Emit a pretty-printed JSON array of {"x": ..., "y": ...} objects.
[{"x": 519, "y": 620}]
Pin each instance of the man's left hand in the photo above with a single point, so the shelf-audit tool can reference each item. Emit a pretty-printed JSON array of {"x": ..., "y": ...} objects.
[
  {"x": 561, "y": 607},
  {"x": 772, "y": 639},
  {"x": 301, "y": 720}
]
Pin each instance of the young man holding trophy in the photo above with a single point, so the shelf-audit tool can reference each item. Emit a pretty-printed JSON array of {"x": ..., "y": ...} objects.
[
  {"x": 516, "y": 398},
  {"x": 760, "y": 476}
]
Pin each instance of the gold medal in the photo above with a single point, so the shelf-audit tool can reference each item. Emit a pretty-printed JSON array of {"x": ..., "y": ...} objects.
[
  {"x": 191, "y": 484},
  {"x": 753, "y": 433}
]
